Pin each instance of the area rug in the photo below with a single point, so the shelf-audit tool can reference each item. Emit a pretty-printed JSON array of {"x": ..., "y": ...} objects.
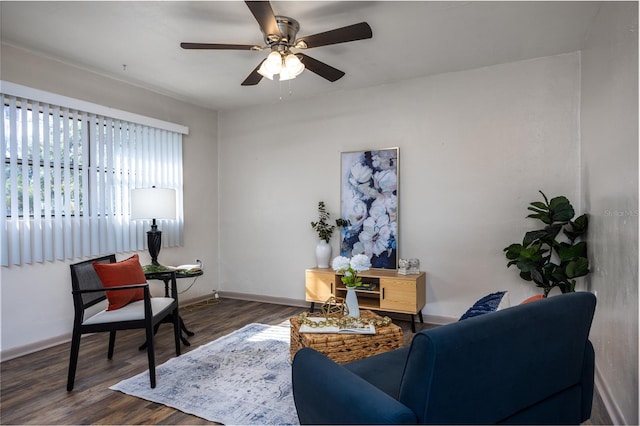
[{"x": 243, "y": 378}]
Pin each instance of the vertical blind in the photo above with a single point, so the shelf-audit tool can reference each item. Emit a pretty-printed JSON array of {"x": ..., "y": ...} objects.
[{"x": 68, "y": 179}]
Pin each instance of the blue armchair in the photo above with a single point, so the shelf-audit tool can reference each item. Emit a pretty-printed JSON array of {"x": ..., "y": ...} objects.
[{"x": 529, "y": 364}]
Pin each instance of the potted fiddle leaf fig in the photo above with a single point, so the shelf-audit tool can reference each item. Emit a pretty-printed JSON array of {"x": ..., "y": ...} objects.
[{"x": 543, "y": 259}]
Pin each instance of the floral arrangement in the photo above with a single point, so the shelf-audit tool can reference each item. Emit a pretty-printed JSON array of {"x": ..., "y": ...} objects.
[{"x": 350, "y": 268}]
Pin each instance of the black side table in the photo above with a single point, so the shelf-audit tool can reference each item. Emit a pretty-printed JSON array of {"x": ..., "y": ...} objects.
[{"x": 166, "y": 277}]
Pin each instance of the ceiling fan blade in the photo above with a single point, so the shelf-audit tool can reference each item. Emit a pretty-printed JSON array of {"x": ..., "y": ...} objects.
[
  {"x": 323, "y": 70},
  {"x": 353, "y": 32},
  {"x": 253, "y": 78},
  {"x": 263, "y": 13},
  {"x": 218, "y": 46}
]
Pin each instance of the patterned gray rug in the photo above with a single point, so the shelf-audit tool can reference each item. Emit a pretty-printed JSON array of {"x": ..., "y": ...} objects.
[{"x": 243, "y": 378}]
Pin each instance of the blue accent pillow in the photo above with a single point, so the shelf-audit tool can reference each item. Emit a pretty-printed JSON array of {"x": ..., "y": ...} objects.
[{"x": 487, "y": 304}]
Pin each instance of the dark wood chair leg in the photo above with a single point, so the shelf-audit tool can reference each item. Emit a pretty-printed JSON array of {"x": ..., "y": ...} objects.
[
  {"x": 176, "y": 330},
  {"x": 151, "y": 356},
  {"x": 73, "y": 360},
  {"x": 112, "y": 343}
]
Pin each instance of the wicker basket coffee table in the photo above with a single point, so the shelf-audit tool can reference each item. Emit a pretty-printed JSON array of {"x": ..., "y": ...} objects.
[{"x": 343, "y": 348}]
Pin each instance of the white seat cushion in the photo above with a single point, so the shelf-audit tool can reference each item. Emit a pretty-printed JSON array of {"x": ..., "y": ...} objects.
[{"x": 132, "y": 311}]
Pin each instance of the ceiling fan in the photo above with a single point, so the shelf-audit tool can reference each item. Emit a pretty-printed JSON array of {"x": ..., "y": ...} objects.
[{"x": 280, "y": 37}]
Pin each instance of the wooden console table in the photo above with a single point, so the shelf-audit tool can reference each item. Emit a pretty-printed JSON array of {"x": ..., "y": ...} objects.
[{"x": 393, "y": 292}]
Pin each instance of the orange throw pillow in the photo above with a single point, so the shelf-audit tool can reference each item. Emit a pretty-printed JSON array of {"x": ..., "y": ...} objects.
[
  {"x": 126, "y": 272},
  {"x": 532, "y": 299}
]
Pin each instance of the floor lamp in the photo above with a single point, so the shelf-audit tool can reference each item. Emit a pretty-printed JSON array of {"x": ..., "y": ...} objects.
[{"x": 153, "y": 203}]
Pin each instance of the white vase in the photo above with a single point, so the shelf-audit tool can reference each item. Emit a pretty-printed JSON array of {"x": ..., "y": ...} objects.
[
  {"x": 323, "y": 254},
  {"x": 352, "y": 303}
]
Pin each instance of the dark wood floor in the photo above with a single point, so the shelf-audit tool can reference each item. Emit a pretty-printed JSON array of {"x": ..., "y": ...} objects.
[{"x": 33, "y": 387}]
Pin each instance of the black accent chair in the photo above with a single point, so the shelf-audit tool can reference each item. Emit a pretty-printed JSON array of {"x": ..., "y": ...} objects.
[{"x": 88, "y": 291}]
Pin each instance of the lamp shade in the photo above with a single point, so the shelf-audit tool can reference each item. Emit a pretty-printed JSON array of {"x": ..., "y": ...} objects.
[{"x": 153, "y": 203}]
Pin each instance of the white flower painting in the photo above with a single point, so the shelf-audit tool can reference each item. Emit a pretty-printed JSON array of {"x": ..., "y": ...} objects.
[{"x": 370, "y": 204}]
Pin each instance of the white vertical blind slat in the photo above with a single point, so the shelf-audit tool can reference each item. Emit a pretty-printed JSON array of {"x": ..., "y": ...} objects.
[
  {"x": 76, "y": 218},
  {"x": 38, "y": 255},
  {"x": 4, "y": 243},
  {"x": 14, "y": 232},
  {"x": 66, "y": 181},
  {"x": 25, "y": 235},
  {"x": 48, "y": 206},
  {"x": 92, "y": 211},
  {"x": 84, "y": 209},
  {"x": 58, "y": 237}
]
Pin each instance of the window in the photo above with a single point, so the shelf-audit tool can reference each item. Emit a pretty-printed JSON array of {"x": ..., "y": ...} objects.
[{"x": 68, "y": 177}]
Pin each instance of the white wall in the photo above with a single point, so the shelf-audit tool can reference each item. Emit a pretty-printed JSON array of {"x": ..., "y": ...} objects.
[
  {"x": 36, "y": 299},
  {"x": 475, "y": 148},
  {"x": 609, "y": 133}
]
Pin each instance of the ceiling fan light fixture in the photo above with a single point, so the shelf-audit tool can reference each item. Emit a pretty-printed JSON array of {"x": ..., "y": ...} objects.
[
  {"x": 273, "y": 63},
  {"x": 293, "y": 65},
  {"x": 264, "y": 72},
  {"x": 286, "y": 75}
]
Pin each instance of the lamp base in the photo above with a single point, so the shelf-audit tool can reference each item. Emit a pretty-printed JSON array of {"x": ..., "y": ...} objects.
[{"x": 154, "y": 243}]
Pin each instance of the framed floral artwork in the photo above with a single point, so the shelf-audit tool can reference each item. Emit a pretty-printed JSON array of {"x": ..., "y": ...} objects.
[{"x": 369, "y": 201}]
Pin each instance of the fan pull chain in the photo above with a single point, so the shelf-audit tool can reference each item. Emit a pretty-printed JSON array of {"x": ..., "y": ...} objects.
[{"x": 280, "y": 89}]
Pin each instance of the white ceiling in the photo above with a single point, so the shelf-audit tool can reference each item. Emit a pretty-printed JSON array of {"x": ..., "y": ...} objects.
[{"x": 139, "y": 42}]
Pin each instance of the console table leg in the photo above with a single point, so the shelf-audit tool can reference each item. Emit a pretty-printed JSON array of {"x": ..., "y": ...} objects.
[
  {"x": 413, "y": 323},
  {"x": 420, "y": 315},
  {"x": 312, "y": 308}
]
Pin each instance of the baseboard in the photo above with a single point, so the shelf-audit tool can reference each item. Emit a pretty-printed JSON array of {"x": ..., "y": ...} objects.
[
  {"x": 614, "y": 412},
  {"x": 34, "y": 347},
  {"x": 438, "y": 319},
  {"x": 264, "y": 299}
]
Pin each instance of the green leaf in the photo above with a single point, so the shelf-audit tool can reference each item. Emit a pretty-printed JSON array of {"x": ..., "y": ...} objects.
[
  {"x": 540, "y": 205},
  {"x": 570, "y": 251},
  {"x": 513, "y": 251},
  {"x": 537, "y": 277},
  {"x": 533, "y": 209},
  {"x": 532, "y": 236},
  {"x": 541, "y": 216},
  {"x": 578, "y": 227},
  {"x": 560, "y": 209},
  {"x": 525, "y": 276},
  {"x": 577, "y": 268}
]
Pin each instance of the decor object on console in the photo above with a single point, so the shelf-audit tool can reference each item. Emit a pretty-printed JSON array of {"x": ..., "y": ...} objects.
[
  {"x": 408, "y": 266},
  {"x": 537, "y": 375},
  {"x": 153, "y": 203},
  {"x": 350, "y": 268},
  {"x": 334, "y": 307},
  {"x": 325, "y": 231},
  {"x": 539, "y": 249},
  {"x": 369, "y": 197}
]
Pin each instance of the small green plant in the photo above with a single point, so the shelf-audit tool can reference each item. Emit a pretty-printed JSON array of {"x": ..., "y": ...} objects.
[
  {"x": 546, "y": 261},
  {"x": 322, "y": 226}
]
